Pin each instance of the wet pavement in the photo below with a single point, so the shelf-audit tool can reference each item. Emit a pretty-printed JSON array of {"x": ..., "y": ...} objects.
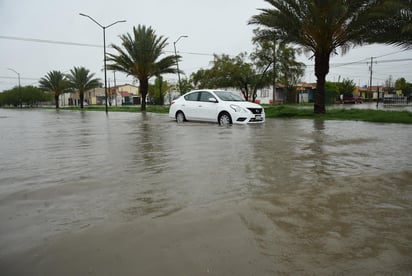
[{"x": 138, "y": 194}]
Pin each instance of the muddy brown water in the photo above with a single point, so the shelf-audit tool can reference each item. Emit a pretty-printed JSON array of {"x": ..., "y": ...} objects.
[{"x": 82, "y": 193}]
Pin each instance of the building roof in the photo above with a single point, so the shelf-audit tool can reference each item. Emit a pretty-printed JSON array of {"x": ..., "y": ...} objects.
[
  {"x": 370, "y": 88},
  {"x": 123, "y": 85},
  {"x": 125, "y": 94}
]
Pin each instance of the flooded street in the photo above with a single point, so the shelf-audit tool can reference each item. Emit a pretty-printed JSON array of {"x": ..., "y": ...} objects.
[{"x": 82, "y": 193}]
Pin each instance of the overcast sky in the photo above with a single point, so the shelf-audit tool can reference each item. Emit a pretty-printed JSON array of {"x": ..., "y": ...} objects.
[{"x": 212, "y": 26}]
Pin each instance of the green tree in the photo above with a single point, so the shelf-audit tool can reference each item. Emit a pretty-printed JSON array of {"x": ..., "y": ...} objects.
[
  {"x": 346, "y": 87},
  {"x": 157, "y": 91},
  {"x": 55, "y": 82},
  {"x": 11, "y": 97},
  {"x": 139, "y": 56},
  {"x": 331, "y": 92},
  {"x": 264, "y": 59},
  {"x": 201, "y": 78},
  {"x": 265, "y": 53},
  {"x": 81, "y": 80},
  {"x": 407, "y": 91},
  {"x": 405, "y": 87},
  {"x": 389, "y": 85},
  {"x": 25, "y": 95},
  {"x": 186, "y": 85},
  {"x": 277, "y": 61},
  {"x": 323, "y": 26},
  {"x": 291, "y": 71},
  {"x": 31, "y": 95},
  {"x": 228, "y": 72},
  {"x": 400, "y": 84}
]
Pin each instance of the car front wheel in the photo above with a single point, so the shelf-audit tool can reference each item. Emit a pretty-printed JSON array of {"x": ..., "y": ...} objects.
[
  {"x": 180, "y": 117},
  {"x": 224, "y": 119}
]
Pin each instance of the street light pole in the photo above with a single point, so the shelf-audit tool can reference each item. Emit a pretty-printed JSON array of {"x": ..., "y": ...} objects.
[
  {"x": 104, "y": 50},
  {"x": 177, "y": 63},
  {"x": 18, "y": 76}
]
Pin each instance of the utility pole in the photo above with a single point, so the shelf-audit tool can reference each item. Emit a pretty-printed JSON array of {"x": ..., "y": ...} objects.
[
  {"x": 20, "y": 101},
  {"x": 177, "y": 62},
  {"x": 371, "y": 73}
]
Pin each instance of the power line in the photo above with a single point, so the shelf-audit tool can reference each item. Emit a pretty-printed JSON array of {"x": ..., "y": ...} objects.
[
  {"x": 393, "y": 53},
  {"x": 395, "y": 60},
  {"x": 47, "y": 41},
  {"x": 14, "y": 78},
  {"x": 348, "y": 63},
  {"x": 334, "y": 65}
]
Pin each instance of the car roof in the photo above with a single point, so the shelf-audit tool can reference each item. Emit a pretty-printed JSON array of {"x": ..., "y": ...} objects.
[{"x": 209, "y": 90}]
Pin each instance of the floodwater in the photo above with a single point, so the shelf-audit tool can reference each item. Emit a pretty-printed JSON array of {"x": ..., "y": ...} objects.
[{"x": 82, "y": 193}]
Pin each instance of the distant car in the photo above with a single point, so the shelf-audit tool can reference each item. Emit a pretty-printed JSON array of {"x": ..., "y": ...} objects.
[
  {"x": 351, "y": 99},
  {"x": 219, "y": 106}
]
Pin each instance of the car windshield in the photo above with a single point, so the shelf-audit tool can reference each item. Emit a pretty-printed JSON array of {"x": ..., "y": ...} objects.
[{"x": 229, "y": 96}]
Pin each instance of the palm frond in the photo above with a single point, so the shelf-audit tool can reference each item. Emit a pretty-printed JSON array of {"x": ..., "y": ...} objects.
[{"x": 140, "y": 52}]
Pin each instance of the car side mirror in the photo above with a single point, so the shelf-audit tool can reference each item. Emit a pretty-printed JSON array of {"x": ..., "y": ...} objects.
[{"x": 212, "y": 100}]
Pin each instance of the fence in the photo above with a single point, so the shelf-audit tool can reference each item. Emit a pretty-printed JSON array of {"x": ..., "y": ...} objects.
[{"x": 397, "y": 101}]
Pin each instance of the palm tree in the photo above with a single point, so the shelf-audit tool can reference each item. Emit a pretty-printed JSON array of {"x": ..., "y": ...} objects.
[
  {"x": 139, "y": 57},
  {"x": 82, "y": 80},
  {"x": 56, "y": 82},
  {"x": 322, "y": 27},
  {"x": 391, "y": 23}
]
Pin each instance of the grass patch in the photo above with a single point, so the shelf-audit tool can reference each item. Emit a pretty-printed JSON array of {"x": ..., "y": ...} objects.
[
  {"x": 131, "y": 108},
  {"x": 367, "y": 115},
  {"x": 287, "y": 111}
]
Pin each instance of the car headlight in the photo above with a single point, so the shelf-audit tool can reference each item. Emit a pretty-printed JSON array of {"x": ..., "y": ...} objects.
[{"x": 237, "y": 108}]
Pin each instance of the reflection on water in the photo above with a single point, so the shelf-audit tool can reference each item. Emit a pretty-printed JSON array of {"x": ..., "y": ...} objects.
[{"x": 315, "y": 191}]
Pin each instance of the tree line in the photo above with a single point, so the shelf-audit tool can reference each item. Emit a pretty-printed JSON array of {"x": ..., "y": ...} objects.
[
  {"x": 24, "y": 96},
  {"x": 51, "y": 87}
]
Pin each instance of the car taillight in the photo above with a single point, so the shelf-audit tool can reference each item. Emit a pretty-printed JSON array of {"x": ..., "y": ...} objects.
[{"x": 172, "y": 102}]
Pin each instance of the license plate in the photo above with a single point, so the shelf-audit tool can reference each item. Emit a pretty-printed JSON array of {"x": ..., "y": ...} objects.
[{"x": 258, "y": 117}]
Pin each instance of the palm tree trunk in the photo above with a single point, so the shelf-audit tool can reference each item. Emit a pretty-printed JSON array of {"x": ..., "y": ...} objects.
[
  {"x": 321, "y": 70},
  {"x": 56, "y": 100},
  {"x": 81, "y": 96},
  {"x": 144, "y": 88}
]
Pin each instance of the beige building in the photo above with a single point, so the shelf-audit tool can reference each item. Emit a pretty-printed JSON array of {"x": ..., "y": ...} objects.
[
  {"x": 125, "y": 94},
  {"x": 118, "y": 95}
]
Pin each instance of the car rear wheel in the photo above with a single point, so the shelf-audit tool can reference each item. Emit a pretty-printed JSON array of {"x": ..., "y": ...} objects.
[
  {"x": 224, "y": 119},
  {"x": 180, "y": 117}
]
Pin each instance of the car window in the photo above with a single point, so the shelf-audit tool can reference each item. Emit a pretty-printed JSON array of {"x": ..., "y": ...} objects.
[
  {"x": 205, "y": 96},
  {"x": 192, "y": 96},
  {"x": 229, "y": 96}
]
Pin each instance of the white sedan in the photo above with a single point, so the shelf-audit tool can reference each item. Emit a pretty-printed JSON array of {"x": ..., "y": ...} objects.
[{"x": 219, "y": 106}]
